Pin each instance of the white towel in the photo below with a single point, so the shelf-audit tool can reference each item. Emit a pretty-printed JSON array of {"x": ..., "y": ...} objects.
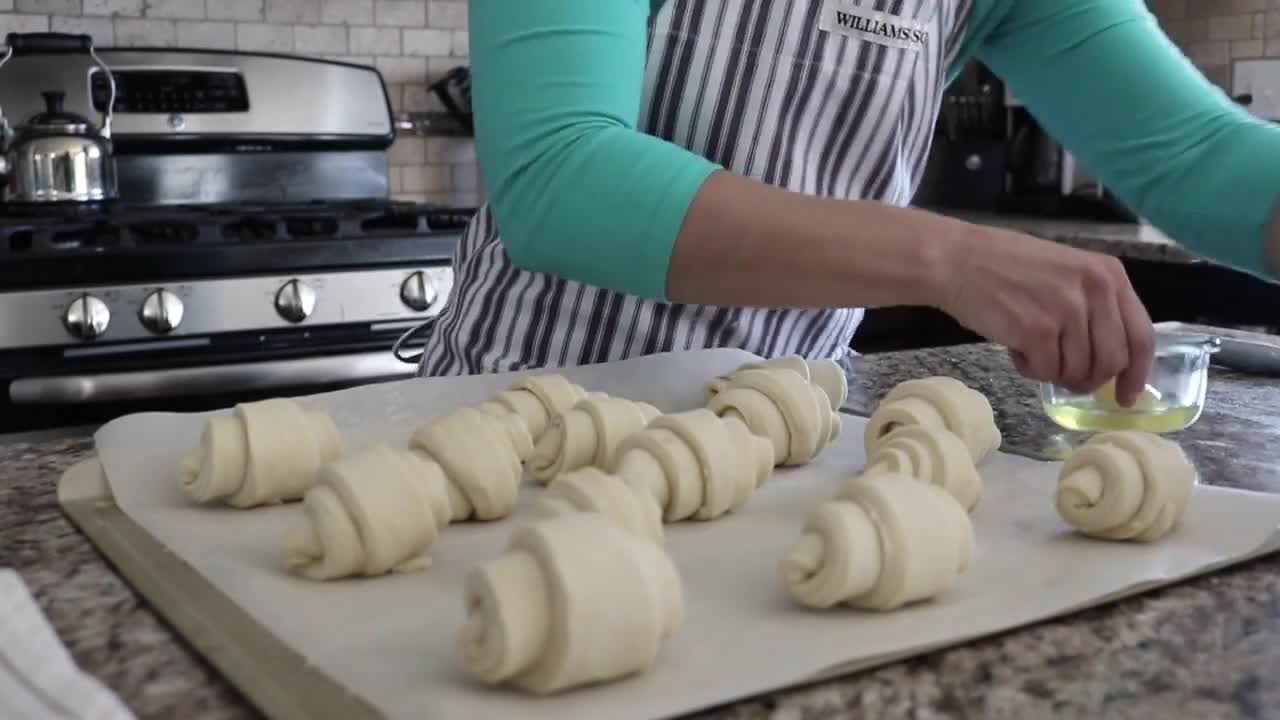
[{"x": 38, "y": 678}]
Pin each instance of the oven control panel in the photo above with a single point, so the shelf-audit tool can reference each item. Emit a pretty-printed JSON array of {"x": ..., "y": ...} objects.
[
  {"x": 42, "y": 318},
  {"x": 172, "y": 91}
]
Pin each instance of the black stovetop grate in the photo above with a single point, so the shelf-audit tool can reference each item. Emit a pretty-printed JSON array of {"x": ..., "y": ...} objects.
[{"x": 77, "y": 229}]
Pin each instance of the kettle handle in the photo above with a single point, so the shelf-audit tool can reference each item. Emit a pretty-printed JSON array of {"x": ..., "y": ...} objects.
[
  {"x": 48, "y": 43},
  {"x": 58, "y": 43}
]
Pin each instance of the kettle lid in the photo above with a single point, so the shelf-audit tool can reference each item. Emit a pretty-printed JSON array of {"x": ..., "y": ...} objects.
[{"x": 55, "y": 119}]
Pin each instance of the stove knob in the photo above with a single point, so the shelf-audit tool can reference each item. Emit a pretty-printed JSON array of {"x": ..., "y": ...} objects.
[
  {"x": 87, "y": 317},
  {"x": 295, "y": 301},
  {"x": 161, "y": 312},
  {"x": 417, "y": 292}
]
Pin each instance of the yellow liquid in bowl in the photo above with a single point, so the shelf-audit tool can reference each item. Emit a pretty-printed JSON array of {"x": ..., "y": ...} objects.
[{"x": 1087, "y": 416}]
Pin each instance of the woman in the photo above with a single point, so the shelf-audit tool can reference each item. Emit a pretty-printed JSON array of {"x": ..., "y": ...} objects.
[{"x": 670, "y": 174}]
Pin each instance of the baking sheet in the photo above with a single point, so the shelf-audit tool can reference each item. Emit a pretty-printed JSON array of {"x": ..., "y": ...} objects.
[{"x": 390, "y": 641}]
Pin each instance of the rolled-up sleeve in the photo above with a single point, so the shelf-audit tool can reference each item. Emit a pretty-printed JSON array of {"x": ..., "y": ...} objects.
[
  {"x": 1106, "y": 82},
  {"x": 576, "y": 189}
]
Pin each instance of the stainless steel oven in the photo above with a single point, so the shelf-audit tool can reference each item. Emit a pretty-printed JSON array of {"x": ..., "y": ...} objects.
[{"x": 252, "y": 250}]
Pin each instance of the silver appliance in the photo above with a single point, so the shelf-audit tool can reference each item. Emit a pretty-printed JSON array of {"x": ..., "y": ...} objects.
[
  {"x": 251, "y": 250},
  {"x": 55, "y": 155}
]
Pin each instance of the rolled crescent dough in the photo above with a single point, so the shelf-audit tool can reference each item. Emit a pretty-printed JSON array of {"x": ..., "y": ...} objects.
[
  {"x": 537, "y": 399},
  {"x": 574, "y": 600},
  {"x": 370, "y": 513},
  {"x": 587, "y": 434},
  {"x": 1125, "y": 485},
  {"x": 591, "y": 489},
  {"x": 480, "y": 454},
  {"x": 941, "y": 402},
  {"x": 930, "y": 454},
  {"x": 695, "y": 463},
  {"x": 264, "y": 452},
  {"x": 780, "y": 404},
  {"x": 825, "y": 373},
  {"x": 886, "y": 541}
]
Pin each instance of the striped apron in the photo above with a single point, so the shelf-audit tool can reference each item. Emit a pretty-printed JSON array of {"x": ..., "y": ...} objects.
[{"x": 785, "y": 91}]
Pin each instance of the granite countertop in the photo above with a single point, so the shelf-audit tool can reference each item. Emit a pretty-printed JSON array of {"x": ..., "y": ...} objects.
[
  {"x": 1205, "y": 648},
  {"x": 1125, "y": 240}
]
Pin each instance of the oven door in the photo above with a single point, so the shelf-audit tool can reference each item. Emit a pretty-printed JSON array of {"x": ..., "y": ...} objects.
[{"x": 91, "y": 385}]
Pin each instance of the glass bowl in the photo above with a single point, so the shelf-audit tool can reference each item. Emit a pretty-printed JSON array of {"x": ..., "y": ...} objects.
[{"x": 1172, "y": 401}]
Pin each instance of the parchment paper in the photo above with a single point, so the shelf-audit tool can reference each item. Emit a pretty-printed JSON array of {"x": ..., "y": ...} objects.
[{"x": 391, "y": 640}]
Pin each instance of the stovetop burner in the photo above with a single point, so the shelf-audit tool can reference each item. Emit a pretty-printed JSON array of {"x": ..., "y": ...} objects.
[
  {"x": 37, "y": 229},
  {"x": 215, "y": 239}
]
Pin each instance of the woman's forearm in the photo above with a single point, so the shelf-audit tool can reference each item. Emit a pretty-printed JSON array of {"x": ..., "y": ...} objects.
[{"x": 747, "y": 243}]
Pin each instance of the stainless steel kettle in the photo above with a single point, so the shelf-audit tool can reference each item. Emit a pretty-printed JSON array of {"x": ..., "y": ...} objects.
[{"x": 55, "y": 155}]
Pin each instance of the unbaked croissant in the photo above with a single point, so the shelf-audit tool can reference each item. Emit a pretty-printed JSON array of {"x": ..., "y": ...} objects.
[
  {"x": 780, "y": 404},
  {"x": 574, "y": 600},
  {"x": 262, "y": 452},
  {"x": 370, "y": 513},
  {"x": 695, "y": 463},
  {"x": 1125, "y": 485},
  {"x": 587, "y": 434},
  {"x": 886, "y": 541},
  {"x": 937, "y": 402},
  {"x": 537, "y": 399},
  {"x": 826, "y": 374},
  {"x": 480, "y": 454},
  {"x": 931, "y": 454},
  {"x": 591, "y": 489},
  {"x": 379, "y": 510}
]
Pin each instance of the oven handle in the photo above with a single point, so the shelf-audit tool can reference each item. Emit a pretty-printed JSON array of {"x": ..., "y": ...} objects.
[{"x": 206, "y": 380}]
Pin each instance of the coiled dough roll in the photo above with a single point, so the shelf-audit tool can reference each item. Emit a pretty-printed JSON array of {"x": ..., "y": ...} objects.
[
  {"x": 930, "y": 454},
  {"x": 370, "y": 513},
  {"x": 263, "y": 452},
  {"x": 695, "y": 463},
  {"x": 886, "y": 541},
  {"x": 826, "y": 374},
  {"x": 591, "y": 489},
  {"x": 537, "y": 399},
  {"x": 575, "y": 600},
  {"x": 941, "y": 402},
  {"x": 1125, "y": 485},
  {"x": 781, "y": 405},
  {"x": 480, "y": 454},
  {"x": 587, "y": 434}
]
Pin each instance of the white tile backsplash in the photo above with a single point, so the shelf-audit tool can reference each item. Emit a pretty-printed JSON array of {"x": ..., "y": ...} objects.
[
  {"x": 348, "y": 12},
  {"x": 246, "y": 10},
  {"x": 24, "y": 23},
  {"x": 447, "y": 14},
  {"x": 409, "y": 41},
  {"x": 186, "y": 9},
  {"x": 130, "y": 8},
  {"x": 320, "y": 39},
  {"x": 205, "y": 34},
  {"x": 264, "y": 37},
  {"x": 400, "y": 13},
  {"x": 101, "y": 29},
  {"x": 293, "y": 11},
  {"x": 140, "y": 31},
  {"x": 374, "y": 41},
  {"x": 49, "y": 7}
]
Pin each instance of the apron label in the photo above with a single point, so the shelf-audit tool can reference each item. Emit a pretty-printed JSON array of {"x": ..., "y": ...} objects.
[{"x": 843, "y": 17}]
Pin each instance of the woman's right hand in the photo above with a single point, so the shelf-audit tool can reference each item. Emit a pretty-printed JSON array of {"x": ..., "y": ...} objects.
[{"x": 1068, "y": 316}]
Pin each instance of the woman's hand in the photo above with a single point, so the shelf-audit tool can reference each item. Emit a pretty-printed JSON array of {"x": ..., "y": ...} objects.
[{"x": 1069, "y": 316}]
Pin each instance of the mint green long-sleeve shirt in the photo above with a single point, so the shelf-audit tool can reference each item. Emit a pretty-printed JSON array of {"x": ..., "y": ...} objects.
[{"x": 579, "y": 192}]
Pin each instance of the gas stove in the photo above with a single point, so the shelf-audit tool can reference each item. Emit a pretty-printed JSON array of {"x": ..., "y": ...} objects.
[
  {"x": 133, "y": 273},
  {"x": 43, "y": 247},
  {"x": 253, "y": 249}
]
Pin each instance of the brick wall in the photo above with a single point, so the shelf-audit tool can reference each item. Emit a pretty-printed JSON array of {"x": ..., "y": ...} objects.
[
  {"x": 1213, "y": 33},
  {"x": 410, "y": 41}
]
